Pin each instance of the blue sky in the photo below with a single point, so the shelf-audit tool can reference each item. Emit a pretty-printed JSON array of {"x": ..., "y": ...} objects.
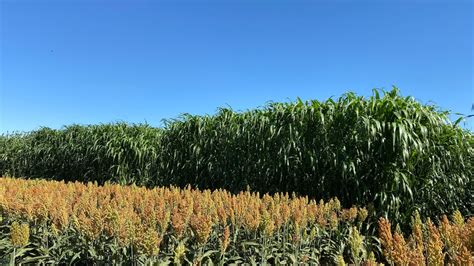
[{"x": 65, "y": 62}]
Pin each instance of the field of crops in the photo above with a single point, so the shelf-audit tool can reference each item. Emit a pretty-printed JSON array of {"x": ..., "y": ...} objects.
[
  {"x": 54, "y": 222},
  {"x": 195, "y": 190}
]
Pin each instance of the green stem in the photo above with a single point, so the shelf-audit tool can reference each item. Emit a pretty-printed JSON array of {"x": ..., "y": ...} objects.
[{"x": 12, "y": 259}]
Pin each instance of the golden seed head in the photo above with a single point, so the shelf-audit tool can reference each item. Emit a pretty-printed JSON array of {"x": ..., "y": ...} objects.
[
  {"x": 340, "y": 261},
  {"x": 416, "y": 219},
  {"x": 370, "y": 260},
  {"x": 362, "y": 214},
  {"x": 312, "y": 233},
  {"x": 355, "y": 242},
  {"x": 333, "y": 221},
  {"x": 149, "y": 241},
  {"x": 267, "y": 225},
  {"x": 20, "y": 234},
  {"x": 400, "y": 252},
  {"x": 468, "y": 234},
  {"x": 458, "y": 219},
  {"x": 202, "y": 227},
  {"x": 386, "y": 238},
  {"x": 179, "y": 253},
  {"x": 464, "y": 257},
  {"x": 417, "y": 230},
  {"x": 435, "y": 246},
  {"x": 225, "y": 239},
  {"x": 335, "y": 204},
  {"x": 353, "y": 213}
]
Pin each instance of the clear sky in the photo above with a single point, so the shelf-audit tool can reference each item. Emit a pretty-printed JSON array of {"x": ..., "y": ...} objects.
[{"x": 65, "y": 62}]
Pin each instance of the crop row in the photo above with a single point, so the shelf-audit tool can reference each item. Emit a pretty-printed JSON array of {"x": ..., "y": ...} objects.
[
  {"x": 56, "y": 222},
  {"x": 386, "y": 150},
  {"x": 111, "y": 223}
]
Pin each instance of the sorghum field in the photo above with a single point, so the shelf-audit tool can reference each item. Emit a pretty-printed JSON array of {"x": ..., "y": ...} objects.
[
  {"x": 57, "y": 222},
  {"x": 362, "y": 181}
]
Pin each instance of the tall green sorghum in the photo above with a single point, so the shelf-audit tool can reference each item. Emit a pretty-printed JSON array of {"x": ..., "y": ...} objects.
[{"x": 389, "y": 150}]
